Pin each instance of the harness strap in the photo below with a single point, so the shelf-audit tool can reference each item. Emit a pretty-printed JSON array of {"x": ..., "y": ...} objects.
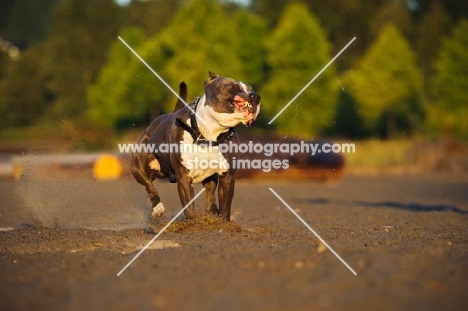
[{"x": 195, "y": 132}]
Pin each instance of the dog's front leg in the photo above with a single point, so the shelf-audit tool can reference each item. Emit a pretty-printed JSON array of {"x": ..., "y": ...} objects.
[
  {"x": 184, "y": 186},
  {"x": 225, "y": 194},
  {"x": 210, "y": 185},
  {"x": 144, "y": 174}
]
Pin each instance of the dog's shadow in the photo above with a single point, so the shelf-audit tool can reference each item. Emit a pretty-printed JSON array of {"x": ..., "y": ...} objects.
[{"x": 412, "y": 206}]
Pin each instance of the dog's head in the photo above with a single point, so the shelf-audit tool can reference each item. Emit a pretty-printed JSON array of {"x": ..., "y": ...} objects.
[{"x": 232, "y": 102}]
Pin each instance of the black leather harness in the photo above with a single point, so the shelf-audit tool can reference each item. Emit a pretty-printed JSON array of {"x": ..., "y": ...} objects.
[{"x": 193, "y": 130}]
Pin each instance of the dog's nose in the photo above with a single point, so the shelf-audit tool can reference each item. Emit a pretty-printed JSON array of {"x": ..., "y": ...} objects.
[{"x": 254, "y": 98}]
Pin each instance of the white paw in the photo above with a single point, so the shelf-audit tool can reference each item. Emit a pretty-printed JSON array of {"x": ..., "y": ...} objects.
[{"x": 158, "y": 210}]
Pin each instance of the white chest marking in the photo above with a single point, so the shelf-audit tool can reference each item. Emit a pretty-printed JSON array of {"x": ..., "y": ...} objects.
[{"x": 201, "y": 161}]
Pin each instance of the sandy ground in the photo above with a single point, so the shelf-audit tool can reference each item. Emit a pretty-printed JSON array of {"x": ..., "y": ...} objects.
[{"x": 65, "y": 238}]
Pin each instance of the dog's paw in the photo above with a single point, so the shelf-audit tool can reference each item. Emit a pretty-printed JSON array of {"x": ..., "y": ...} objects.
[{"x": 158, "y": 210}]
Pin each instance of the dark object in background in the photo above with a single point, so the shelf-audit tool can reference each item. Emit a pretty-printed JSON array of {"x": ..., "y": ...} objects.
[{"x": 302, "y": 166}]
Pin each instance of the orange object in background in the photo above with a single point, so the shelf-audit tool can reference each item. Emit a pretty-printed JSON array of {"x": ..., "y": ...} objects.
[{"x": 107, "y": 167}]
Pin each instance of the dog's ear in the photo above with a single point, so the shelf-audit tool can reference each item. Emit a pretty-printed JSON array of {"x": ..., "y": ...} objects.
[{"x": 211, "y": 77}]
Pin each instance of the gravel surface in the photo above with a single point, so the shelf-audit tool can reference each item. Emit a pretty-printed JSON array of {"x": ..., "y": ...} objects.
[{"x": 64, "y": 239}]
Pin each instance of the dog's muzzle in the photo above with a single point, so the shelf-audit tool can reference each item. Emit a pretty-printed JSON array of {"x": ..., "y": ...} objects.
[{"x": 254, "y": 98}]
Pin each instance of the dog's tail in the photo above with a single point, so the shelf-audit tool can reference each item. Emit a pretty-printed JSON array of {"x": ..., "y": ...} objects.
[{"x": 182, "y": 94}]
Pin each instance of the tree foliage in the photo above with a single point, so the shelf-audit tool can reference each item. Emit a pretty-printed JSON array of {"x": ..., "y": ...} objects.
[
  {"x": 198, "y": 39},
  {"x": 432, "y": 28},
  {"x": 386, "y": 80},
  {"x": 451, "y": 83},
  {"x": 25, "y": 22},
  {"x": 248, "y": 47},
  {"x": 151, "y": 16},
  {"x": 22, "y": 104},
  {"x": 72, "y": 67},
  {"x": 109, "y": 99},
  {"x": 296, "y": 51},
  {"x": 76, "y": 49}
]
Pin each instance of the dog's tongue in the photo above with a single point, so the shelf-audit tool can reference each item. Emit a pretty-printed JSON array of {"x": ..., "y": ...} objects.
[{"x": 249, "y": 123}]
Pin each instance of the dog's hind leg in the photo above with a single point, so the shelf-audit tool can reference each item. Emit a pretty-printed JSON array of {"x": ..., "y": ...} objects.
[
  {"x": 145, "y": 169},
  {"x": 210, "y": 185}
]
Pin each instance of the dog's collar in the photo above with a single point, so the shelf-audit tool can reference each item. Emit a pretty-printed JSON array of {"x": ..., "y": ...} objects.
[{"x": 195, "y": 132}]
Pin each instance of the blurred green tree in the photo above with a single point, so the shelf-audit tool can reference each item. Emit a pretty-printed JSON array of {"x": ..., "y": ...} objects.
[
  {"x": 395, "y": 12},
  {"x": 387, "y": 81},
  {"x": 151, "y": 16},
  {"x": 25, "y": 21},
  {"x": 341, "y": 20},
  {"x": 200, "y": 38},
  {"x": 297, "y": 50},
  {"x": 348, "y": 123},
  {"x": 432, "y": 28},
  {"x": 113, "y": 96},
  {"x": 24, "y": 95},
  {"x": 451, "y": 83},
  {"x": 270, "y": 10},
  {"x": 76, "y": 49},
  {"x": 249, "y": 48}
]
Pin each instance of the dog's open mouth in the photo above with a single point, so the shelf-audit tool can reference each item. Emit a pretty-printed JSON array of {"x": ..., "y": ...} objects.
[
  {"x": 241, "y": 104},
  {"x": 248, "y": 109}
]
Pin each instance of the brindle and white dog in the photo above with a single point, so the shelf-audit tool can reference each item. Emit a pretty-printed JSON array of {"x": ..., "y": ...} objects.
[{"x": 225, "y": 104}]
